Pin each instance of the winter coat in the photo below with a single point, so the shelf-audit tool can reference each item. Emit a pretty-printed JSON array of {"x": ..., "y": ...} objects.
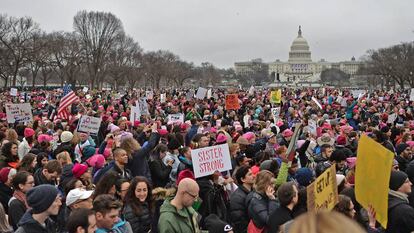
[
  {"x": 400, "y": 214},
  {"x": 215, "y": 200},
  {"x": 5, "y": 194},
  {"x": 238, "y": 209},
  {"x": 191, "y": 133},
  {"x": 65, "y": 146},
  {"x": 177, "y": 221},
  {"x": 184, "y": 164},
  {"x": 260, "y": 207},
  {"x": 28, "y": 225},
  {"x": 19, "y": 209},
  {"x": 281, "y": 216},
  {"x": 39, "y": 178},
  {"x": 402, "y": 162},
  {"x": 160, "y": 173},
  {"x": 138, "y": 165},
  {"x": 119, "y": 227},
  {"x": 139, "y": 223}
]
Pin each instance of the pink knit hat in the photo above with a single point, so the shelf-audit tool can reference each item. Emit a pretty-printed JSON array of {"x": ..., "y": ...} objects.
[{"x": 96, "y": 161}]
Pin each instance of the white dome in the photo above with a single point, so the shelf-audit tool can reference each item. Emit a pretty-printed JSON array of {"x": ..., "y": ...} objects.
[{"x": 299, "y": 50}]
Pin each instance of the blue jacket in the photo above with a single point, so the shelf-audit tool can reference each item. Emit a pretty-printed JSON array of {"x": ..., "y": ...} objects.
[{"x": 119, "y": 227}]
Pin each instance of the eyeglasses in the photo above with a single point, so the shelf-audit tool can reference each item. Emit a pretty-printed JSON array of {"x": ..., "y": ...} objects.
[
  {"x": 31, "y": 182},
  {"x": 193, "y": 196}
]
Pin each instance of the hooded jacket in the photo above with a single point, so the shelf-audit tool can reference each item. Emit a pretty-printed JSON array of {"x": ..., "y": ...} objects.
[
  {"x": 177, "y": 221},
  {"x": 238, "y": 209},
  {"x": 28, "y": 225},
  {"x": 119, "y": 227},
  {"x": 400, "y": 214}
]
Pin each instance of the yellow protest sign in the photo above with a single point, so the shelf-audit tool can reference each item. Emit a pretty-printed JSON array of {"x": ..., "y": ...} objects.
[
  {"x": 372, "y": 177},
  {"x": 322, "y": 194},
  {"x": 276, "y": 96}
]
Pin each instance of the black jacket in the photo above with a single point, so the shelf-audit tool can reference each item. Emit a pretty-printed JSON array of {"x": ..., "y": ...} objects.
[
  {"x": 278, "y": 218},
  {"x": 5, "y": 194},
  {"x": 400, "y": 215},
  {"x": 65, "y": 146},
  {"x": 39, "y": 178},
  {"x": 18, "y": 209},
  {"x": 160, "y": 173},
  {"x": 139, "y": 223},
  {"x": 28, "y": 225},
  {"x": 238, "y": 209},
  {"x": 260, "y": 207},
  {"x": 402, "y": 162},
  {"x": 139, "y": 162}
]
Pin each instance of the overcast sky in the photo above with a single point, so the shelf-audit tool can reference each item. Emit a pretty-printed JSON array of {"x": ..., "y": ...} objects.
[{"x": 226, "y": 31}]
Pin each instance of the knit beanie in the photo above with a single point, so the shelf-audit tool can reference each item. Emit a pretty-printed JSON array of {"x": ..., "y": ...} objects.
[
  {"x": 215, "y": 225},
  {"x": 397, "y": 179},
  {"x": 400, "y": 148},
  {"x": 66, "y": 136},
  {"x": 87, "y": 152},
  {"x": 79, "y": 169},
  {"x": 304, "y": 176},
  {"x": 41, "y": 197}
]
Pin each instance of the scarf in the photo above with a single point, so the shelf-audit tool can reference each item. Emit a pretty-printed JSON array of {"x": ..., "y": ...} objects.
[
  {"x": 19, "y": 195},
  {"x": 400, "y": 195}
]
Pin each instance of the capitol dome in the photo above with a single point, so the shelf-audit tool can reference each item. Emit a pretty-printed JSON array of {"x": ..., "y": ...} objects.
[{"x": 299, "y": 50}]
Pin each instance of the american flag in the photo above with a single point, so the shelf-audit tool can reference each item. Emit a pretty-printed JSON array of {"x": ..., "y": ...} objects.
[{"x": 68, "y": 98}]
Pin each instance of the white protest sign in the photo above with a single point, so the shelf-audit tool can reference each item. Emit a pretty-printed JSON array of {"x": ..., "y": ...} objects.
[
  {"x": 201, "y": 93},
  {"x": 19, "y": 113},
  {"x": 175, "y": 118},
  {"x": 391, "y": 118},
  {"x": 343, "y": 102},
  {"x": 89, "y": 124},
  {"x": 207, "y": 160},
  {"x": 149, "y": 94},
  {"x": 135, "y": 114},
  {"x": 412, "y": 94},
  {"x": 143, "y": 106},
  {"x": 316, "y": 102},
  {"x": 13, "y": 91},
  {"x": 357, "y": 93},
  {"x": 275, "y": 114},
  {"x": 85, "y": 89},
  {"x": 312, "y": 127},
  {"x": 162, "y": 98},
  {"x": 215, "y": 96},
  {"x": 209, "y": 94},
  {"x": 251, "y": 90},
  {"x": 189, "y": 95}
]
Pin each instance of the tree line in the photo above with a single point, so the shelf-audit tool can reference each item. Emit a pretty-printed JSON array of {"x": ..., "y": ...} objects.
[{"x": 97, "y": 51}]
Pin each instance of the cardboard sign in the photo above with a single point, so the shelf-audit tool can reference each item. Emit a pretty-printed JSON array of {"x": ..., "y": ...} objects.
[
  {"x": 207, "y": 160},
  {"x": 135, "y": 114},
  {"x": 372, "y": 177},
  {"x": 316, "y": 102},
  {"x": 276, "y": 96},
  {"x": 175, "y": 118},
  {"x": 13, "y": 91},
  {"x": 412, "y": 94},
  {"x": 149, "y": 95},
  {"x": 312, "y": 127},
  {"x": 201, "y": 93},
  {"x": 323, "y": 193},
  {"x": 89, "y": 124},
  {"x": 232, "y": 102},
  {"x": 275, "y": 114},
  {"x": 209, "y": 94},
  {"x": 19, "y": 113}
]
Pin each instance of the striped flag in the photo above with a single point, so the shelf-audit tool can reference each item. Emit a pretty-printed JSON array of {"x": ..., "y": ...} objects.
[{"x": 68, "y": 98}]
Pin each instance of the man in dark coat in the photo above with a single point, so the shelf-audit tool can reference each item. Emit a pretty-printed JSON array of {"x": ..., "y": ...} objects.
[
  {"x": 400, "y": 213},
  {"x": 238, "y": 209}
]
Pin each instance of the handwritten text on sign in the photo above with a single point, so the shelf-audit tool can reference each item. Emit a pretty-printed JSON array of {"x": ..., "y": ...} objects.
[
  {"x": 175, "y": 118},
  {"x": 323, "y": 193},
  {"x": 210, "y": 159},
  {"x": 19, "y": 113},
  {"x": 89, "y": 124},
  {"x": 232, "y": 102}
]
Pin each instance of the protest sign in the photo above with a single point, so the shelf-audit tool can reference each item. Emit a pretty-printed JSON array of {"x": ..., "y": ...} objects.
[
  {"x": 412, "y": 94},
  {"x": 232, "y": 102},
  {"x": 357, "y": 93},
  {"x": 322, "y": 194},
  {"x": 201, "y": 93},
  {"x": 85, "y": 89},
  {"x": 175, "y": 118},
  {"x": 209, "y": 94},
  {"x": 189, "y": 95},
  {"x": 317, "y": 102},
  {"x": 312, "y": 127},
  {"x": 149, "y": 95},
  {"x": 143, "y": 106},
  {"x": 89, "y": 124},
  {"x": 163, "y": 98},
  {"x": 19, "y": 113},
  {"x": 276, "y": 96},
  {"x": 13, "y": 91},
  {"x": 372, "y": 177},
  {"x": 251, "y": 90},
  {"x": 207, "y": 160},
  {"x": 135, "y": 114},
  {"x": 391, "y": 118},
  {"x": 291, "y": 151},
  {"x": 275, "y": 114}
]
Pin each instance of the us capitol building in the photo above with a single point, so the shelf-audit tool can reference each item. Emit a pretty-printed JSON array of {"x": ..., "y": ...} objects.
[{"x": 299, "y": 69}]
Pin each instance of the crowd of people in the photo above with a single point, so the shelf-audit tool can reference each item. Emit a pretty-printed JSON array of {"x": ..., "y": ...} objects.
[{"x": 138, "y": 176}]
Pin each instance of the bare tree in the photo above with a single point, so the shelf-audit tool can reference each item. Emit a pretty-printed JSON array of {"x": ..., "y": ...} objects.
[
  {"x": 98, "y": 32},
  {"x": 15, "y": 36}
]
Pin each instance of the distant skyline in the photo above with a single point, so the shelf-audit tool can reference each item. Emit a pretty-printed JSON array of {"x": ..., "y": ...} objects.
[{"x": 224, "y": 32}]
